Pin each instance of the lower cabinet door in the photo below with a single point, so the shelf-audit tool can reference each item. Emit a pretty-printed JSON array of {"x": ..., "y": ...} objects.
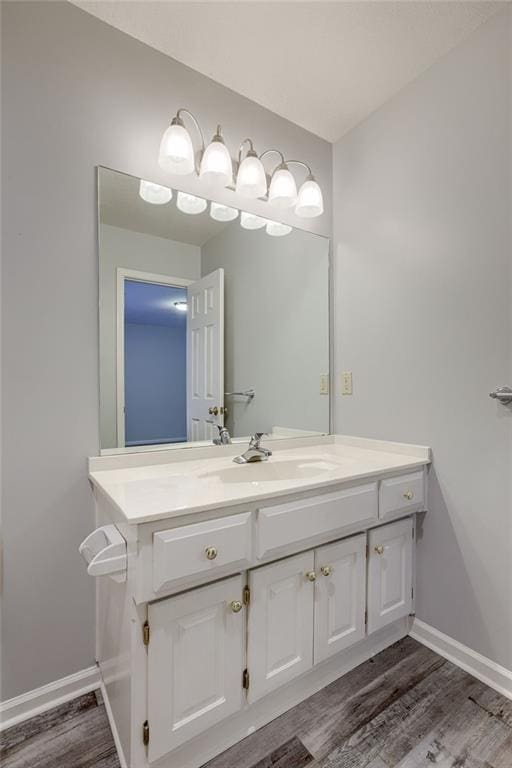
[
  {"x": 196, "y": 658},
  {"x": 389, "y": 573},
  {"x": 340, "y": 596},
  {"x": 280, "y": 627}
]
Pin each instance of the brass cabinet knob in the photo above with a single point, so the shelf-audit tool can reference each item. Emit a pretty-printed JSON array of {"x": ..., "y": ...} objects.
[
  {"x": 213, "y": 411},
  {"x": 211, "y": 553},
  {"x": 409, "y": 495},
  {"x": 379, "y": 549},
  {"x": 223, "y": 411},
  {"x": 236, "y": 606},
  {"x": 326, "y": 570},
  {"x": 311, "y": 576}
]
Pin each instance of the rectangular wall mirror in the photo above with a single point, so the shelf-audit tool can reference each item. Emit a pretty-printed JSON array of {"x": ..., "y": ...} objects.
[{"x": 206, "y": 323}]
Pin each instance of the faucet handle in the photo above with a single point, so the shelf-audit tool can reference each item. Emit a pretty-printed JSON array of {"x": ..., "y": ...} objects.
[{"x": 256, "y": 439}]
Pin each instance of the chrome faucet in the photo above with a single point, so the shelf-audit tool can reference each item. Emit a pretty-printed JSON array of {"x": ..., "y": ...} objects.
[
  {"x": 224, "y": 437},
  {"x": 254, "y": 452}
]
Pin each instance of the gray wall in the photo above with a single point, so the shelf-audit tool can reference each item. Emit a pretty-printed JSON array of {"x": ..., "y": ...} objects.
[
  {"x": 146, "y": 253},
  {"x": 75, "y": 93},
  {"x": 422, "y": 211},
  {"x": 276, "y": 326}
]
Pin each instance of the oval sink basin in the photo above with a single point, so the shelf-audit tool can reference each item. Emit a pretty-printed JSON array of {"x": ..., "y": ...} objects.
[{"x": 271, "y": 471}]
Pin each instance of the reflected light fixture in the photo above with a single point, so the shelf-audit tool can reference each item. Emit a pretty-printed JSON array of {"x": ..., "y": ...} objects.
[
  {"x": 176, "y": 148},
  {"x": 154, "y": 193},
  {"x": 276, "y": 229},
  {"x": 251, "y": 221},
  {"x": 190, "y": 203},
  {"x": 216, "y": 166},
  {"x": 181, "y": 306},
  {"x": 251, "y": 179},
  {"x": 221, "y": 212}
]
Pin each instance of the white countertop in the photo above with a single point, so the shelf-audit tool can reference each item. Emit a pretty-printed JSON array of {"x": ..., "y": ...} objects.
[{"x": 153, "y": 486}]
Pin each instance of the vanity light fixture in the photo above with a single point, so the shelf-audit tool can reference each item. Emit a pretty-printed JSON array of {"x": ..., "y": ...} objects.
[
  {"x": 282, "y": 192},
  {"x": 251, "y": 221},
  {"x": 190, "y": 203},
  {"x": 221, "y": 212},
  {"x": 216, "y": 166},
  {"x": 276, "y": 229},
  {"x": 154, "y": 193},
  {"x": 176, "y": 148},
  {"x": 310, "y": 201},
  {"x": 251, "y": 179}
]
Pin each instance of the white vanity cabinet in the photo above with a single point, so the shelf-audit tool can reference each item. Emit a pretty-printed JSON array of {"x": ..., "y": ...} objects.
[
  {"x": 195, "y": 659},
  {"x": 280, "y": 632},
  {"x": 389, "y": 573},
  {"x": 340, "y": 596},
  {"x": 238, "y": 607}
]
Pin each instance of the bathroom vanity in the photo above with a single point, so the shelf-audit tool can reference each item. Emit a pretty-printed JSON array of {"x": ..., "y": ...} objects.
[{"x": 229, "y": 593}]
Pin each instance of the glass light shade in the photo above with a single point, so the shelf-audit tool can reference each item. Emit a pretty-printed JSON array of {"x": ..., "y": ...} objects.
[
  {"x": 222, "y": 212},
  {"x": 154, "y": 193},
  {"x": 276, "y": 229},
  {"x": 310, "y": 202},
  {"x": 251, "y": 221},
  {"x": 190, "y": 203},
  {"x": 176, "y": 151},
  {"x": 216, "y": 165},
  {"x": 282, "y": 192},
  {"x": 251, "y": 180}
]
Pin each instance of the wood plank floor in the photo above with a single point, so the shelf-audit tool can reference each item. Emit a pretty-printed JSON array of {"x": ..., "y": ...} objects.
[{"x": 405, "y": 708}]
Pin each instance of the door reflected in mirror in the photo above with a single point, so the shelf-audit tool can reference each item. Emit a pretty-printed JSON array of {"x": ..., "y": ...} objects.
[{"x": 205, "y": 323}]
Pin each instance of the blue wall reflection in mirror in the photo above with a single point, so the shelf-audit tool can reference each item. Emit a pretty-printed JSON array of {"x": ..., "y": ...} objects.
[{"x": 155, "y": 324}]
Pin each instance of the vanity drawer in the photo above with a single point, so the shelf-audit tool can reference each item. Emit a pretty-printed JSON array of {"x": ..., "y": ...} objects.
[
  {"x": 213, "y": 546},
  {"x": 401, "y": 494},
  {"x": 309, "y": 520}
]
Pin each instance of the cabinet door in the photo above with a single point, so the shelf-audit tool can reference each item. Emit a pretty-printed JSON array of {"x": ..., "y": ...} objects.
[
  {"x": 340, "y": 596},
  {"x": 389, "y": 573},
  {"x": 280, "y": 633},
  {"x": 196, "y": 657}
]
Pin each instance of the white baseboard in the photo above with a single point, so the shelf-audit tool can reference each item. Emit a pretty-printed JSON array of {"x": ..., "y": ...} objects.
[
  {"x": 495, "y": 676},
  {"x": 13, "y": 711}
]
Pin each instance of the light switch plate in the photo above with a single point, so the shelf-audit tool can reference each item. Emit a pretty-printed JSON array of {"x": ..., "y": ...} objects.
[
  {"x": 346, "y": 383},
  {"x": 324, "y": 384}
]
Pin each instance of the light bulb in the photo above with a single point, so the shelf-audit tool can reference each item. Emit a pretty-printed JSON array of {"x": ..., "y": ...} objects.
[
  {"x": 282, "y": 192},
  {"x": 190, "y": 203},
  {"x": 216, "y": 165},
  {"x": 251, "y": 221},
  {"x": 222, "y": 212},
  {"x": 154, "y": 193},
  {"x": 251, "y": 180},
  {"x": 276, "y": 229},
  {"x": 176, "y": 150},
  {"x": 310, "y": 202}
]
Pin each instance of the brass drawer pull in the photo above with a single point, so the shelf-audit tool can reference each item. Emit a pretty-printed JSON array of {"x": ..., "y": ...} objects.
[
  {"x": 326, "y": 570},
  {"x": 236, "y": 606},
  {"x": 211, "y": 553},
  {"x": 311, "y": 576},
  {"x": 379, "y": 549},
  {"x": 409, "y": 495}
]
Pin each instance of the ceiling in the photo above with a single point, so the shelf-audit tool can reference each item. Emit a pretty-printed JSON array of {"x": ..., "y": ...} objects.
[
  {"x": 323, "y": 65},
  {"x": 121, "y": 206},
  {"x": 153, "y": 304}
]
